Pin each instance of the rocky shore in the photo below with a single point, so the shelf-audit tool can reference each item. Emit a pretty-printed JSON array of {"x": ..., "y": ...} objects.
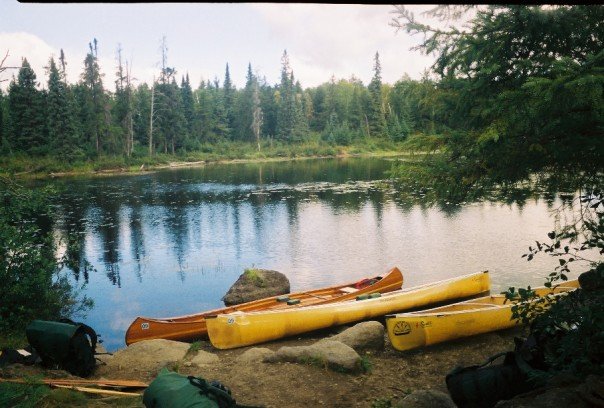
[{"x": 345, "y": 367}]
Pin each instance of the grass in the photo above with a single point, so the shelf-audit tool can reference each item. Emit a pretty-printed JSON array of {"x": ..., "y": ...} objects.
[
  {"x": 194, "y": 347},
  {"x": 366, "y": 365},
  {"x": 316, "y": 361},
  {"x": 381, "y": 403},
  {"x": 253, "y": 276}
]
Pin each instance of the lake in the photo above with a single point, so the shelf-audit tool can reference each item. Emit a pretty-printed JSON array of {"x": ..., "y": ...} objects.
[{"x": 172, "y": 242}]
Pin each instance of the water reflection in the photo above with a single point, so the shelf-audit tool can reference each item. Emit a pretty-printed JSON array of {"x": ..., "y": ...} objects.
[{"x": 172, "y": 242}]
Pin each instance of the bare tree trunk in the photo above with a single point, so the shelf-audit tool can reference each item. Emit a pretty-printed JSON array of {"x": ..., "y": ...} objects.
[
  {"x": 257, "y": 115},
  {"x": 151, "y": 119}
]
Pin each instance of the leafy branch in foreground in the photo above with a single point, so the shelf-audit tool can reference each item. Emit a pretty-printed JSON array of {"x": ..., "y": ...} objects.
[{"x": 571, "y": 329}]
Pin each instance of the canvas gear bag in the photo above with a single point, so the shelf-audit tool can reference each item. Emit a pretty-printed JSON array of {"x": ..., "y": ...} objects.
[
  {"x": 172, "y": 390},
  {"x": 64, "y": 344}
]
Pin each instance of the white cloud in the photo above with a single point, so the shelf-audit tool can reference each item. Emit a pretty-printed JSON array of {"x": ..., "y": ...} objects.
[
  {"x": 24, "y": 45},
  {"x": 321, "y": 39},
  {"x": 331, "y": 39},
  {"x": 38, "y": 52}
]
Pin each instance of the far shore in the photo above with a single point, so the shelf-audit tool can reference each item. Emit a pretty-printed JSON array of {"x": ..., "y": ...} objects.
[{"x": 149, "y": 168}]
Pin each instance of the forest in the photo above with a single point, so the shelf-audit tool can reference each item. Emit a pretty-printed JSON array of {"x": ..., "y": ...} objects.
[{"x": 87, "y": 120}]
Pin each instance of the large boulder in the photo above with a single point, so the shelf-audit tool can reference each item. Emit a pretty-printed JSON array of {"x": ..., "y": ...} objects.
[
  {"x": 363, "y": 336},
  {"x": 149, "y": 355},
  {"x": 426, "y": 399},
  {"x": 325, "y": 353},
  {"x": 256, "y": 284}
]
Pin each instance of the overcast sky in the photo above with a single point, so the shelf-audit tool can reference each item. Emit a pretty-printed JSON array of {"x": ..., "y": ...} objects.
[{"x": 321, "y": 39}]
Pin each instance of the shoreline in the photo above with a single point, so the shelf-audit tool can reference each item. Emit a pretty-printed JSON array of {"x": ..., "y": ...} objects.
[
  {"x": 147, "y": 169},
  {"x": 391, "y": 375}
]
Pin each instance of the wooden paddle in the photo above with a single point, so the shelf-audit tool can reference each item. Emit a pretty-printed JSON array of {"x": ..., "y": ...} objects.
[
  {"x": 97, "y": 390},
  {"x": 69, "y": 382}
]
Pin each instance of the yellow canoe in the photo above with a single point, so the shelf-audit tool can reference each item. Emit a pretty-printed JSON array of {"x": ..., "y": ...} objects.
[
  {"x": 232, "y": 330},
  {"x": 407, "y": 331},
  {"x": 192, "y": 327}
]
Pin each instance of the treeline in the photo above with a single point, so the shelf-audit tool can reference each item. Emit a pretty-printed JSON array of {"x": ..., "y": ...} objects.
[{"x": 87, "y": 120}]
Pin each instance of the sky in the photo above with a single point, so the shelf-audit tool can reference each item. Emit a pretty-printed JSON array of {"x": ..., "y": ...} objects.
[{"x": 321, "y": 39}]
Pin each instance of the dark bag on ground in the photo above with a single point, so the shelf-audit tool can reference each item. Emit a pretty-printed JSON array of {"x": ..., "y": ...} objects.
[
  {"x": 481, "y": 386},
  {"x": 65, "y": 345},
  {"x": 172, "y": 390},
  {"x": 25, "y": 356}
]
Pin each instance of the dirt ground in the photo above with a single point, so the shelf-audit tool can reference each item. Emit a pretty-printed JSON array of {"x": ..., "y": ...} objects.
[{"x": 391, "y": 377}]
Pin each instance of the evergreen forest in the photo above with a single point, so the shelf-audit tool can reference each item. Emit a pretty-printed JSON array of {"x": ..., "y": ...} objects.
[{"x": 90, "y": 119}]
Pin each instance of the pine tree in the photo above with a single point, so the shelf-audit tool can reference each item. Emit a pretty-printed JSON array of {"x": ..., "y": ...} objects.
[
  {"x": 63, "y": 132},
  {"x": 26, "y": 113},
  {"x": 377, "y": 119}
]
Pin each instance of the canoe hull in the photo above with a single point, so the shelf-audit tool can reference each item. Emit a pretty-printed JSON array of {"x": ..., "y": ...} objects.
[
  {"x": 193, "y": 327},
  {"x": 408, "y": 331},
  {"x": 243, "y": 329}
]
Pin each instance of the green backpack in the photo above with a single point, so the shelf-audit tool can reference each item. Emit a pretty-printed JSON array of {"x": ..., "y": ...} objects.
[
  {"x": 172, "y": 390},
  {"x": 66, "y": 345}
]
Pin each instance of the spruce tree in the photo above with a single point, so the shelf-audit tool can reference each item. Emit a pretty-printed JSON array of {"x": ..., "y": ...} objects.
[
  {"x": 93, "y": 101},
  {"x": 228, "y": 101},
  {"x": 2, "y": 121},
  {"x": 245, "y": 109},
  {"x": 188, "y": 105},
  {"x": 220, "y": 126},
  {"x": 63, "y": 132},
  {"x": 257, "y": 114},
  {"x": 377, "y": 119},
  {"x": 286, "y": 117},
  {"x": 141, "y": 112},
  {"x": 26, "y": 113},
  {"x": 122, "y": 109},
  {"x": 301, "y": 128}
]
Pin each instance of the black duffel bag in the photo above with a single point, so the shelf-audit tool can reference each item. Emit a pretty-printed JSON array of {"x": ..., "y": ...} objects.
[{"x": 481, "y": 386}]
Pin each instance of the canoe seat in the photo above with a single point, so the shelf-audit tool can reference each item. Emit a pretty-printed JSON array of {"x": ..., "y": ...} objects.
[{"x": 348, "y": 289}]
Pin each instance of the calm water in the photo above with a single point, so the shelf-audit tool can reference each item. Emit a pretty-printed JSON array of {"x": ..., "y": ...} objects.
[{"x": 172, "y": 242}]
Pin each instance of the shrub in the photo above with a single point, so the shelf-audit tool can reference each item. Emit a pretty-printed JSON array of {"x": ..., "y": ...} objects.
[{"x": 33, "y": 286}]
